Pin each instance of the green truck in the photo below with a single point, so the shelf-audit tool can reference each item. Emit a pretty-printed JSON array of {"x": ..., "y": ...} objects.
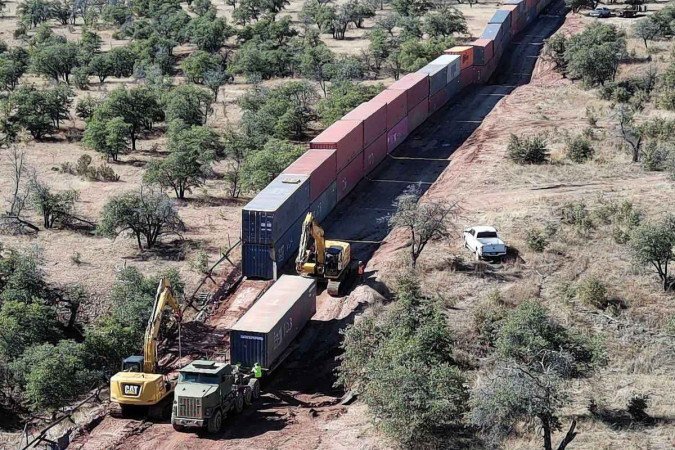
[{"x": 207, "y": 391}]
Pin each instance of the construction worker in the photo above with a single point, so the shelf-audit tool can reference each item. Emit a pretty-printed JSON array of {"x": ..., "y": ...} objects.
[
  {"x": 257, "y": 370},
  {"x": 361, "y": 271}
]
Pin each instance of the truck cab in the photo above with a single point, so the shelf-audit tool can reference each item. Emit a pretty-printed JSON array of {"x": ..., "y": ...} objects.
[{"x": 207, "y": 391}]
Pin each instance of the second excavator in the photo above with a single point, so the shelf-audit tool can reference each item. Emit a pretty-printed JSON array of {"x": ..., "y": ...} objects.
[
  {"x": 138, "y": 385},
  {"x": 326, "y": 260}
]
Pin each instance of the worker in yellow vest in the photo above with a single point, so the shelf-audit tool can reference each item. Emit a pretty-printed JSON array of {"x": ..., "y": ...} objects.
[{"x": 257, "y": 370}]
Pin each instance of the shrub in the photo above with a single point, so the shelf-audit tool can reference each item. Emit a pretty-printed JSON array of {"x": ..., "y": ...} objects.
[
  {"x": 577, "y": 215},
  {"x": 537, "y": 240},
  {"x": 527, "y": 150},
  {"x": 579, "y": 150},
  {"x": 106, "y": 173},
  {"x": 592, "y": 292}
]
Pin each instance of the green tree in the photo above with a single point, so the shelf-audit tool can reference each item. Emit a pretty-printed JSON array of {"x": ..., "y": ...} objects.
[
  {"x": 107, "y": 136},
  {"x": 214, "y": 79},
  {"x": 40, "y": 111},
  {"x": 116, "y": 14},
  {"x": 342, "y": 98},
  {"x": 53, "y": 206},
  {"x": 527, "y": 150},
  {"x": 653, "y": 244},
  {"x": 594, "y": 54},
  {"x": 196, "y": 65},
  {"x": 415, "y": 54},
  {"x": 146, "y": 214},
  {"x": 647, "y": 30},
  {"x": 188, "y": 103},
  {"x": 444, "y": 22},
  {"x": 25, "y": 324},
  {"x": 21, "y": 277},
  {"x": 55, "y": 61},
  {"x": 413, "y": 8},
  {"x": 209, "y": 32},
  {"x": 264, "y": 165},
  {"x": 12, "y": 68},
  {"x": 101, "y": 66},
  {"x": 34, "y": 12},
  {"x": 316, "y": 63}
]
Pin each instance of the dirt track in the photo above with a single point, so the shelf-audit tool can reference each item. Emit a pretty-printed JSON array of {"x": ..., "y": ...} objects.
[{"x": 301, "y": 405}]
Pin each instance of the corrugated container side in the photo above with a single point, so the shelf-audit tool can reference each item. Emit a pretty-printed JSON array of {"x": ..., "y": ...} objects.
[
  {"x": 467, "y": 77},
  {"x": 261, "y": 260},
  {"x": 323, "y": 205},
  {"x": 515, "y": 16},
  {"x": 454, "y": 68},
  {"x": 416, "y": 87},
  {"x": 374, "y": 117},
  {"x": 438, "y": 76},
  {"x": 418, "y": 114},
  {"x": 320, "y": 165},
  {"x": 397, "y": 105},
  {"x": 349, "y": 177},
  {"x": 289, "y": 303},
  {"x": 374, "y": 154},
  {"x": 345, "y": 136},
  {"x": 483, "y": 51},
  {"x": 438, "y": 100},
  {"x": 465, "y": 53},
  {"x": 397, "y": 134},
  {"x": 267, "y": 217},
  {"x": 492, "y": 31},
  {"x": 453, "y": 88}
]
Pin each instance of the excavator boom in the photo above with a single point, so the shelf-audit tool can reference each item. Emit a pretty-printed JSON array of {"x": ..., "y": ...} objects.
[{"x": 163, "y": 298}]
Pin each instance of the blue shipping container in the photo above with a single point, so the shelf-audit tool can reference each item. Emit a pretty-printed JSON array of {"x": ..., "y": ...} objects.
[
  {"x": 266, "y": 260},
  {"x": 501, "y": 16},
  {"x": 492, "y": 31},
  {"x": 325, "y": 203},
  {"x": 269, "y": 215}
]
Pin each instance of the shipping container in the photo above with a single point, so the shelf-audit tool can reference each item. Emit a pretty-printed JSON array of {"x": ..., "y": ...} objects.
[
  {"x": 502, "y": 17},
  {"x": 323, "y": 205},
  {"x": 515, "y": 17},
  {"x": 267, "y": 217},
  {"x": 438, "y": 100},
  {"x": 374, "y": 117},
  {"x": 453, "y": 63},
  {"x": 265, "y": 261},
  {"x": 416, "y": 87},
  {"x": 418, "y": 115},
  {"x": 344, "y": 136},
  {"x": 483, "y": 51},
  {"x": 397, "y": 134},
  {"x": 465, "y": 53},
  {"x": 467, "y": 77},
  {"x": 349, "y": 177},
  {"x": 264, "y": 333},
  {"x": 453, "y": 88},
  {"x": 374, "y": 154},
  {"x": 492, "y": 31},
  {"x": 319, "y": 165},
  {"x": 438, "y": 76},
  {"x": 397, "y": 106}
]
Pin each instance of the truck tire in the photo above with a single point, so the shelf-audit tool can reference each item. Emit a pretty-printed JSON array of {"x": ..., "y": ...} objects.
[
  {"x": 239, "y": 403},
  {"x": 254, "y": 384},
  {"x": 215, "y": 423},
  {"x": 248, "y": 395},
  {"x": 179, "y": 428}
]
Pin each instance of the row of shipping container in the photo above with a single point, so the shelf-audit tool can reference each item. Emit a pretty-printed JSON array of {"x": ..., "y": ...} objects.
[{"x": 351, "y": 148}]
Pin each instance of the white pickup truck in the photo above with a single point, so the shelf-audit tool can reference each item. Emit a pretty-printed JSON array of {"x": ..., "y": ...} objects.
[{"x": 484, "y": 242}]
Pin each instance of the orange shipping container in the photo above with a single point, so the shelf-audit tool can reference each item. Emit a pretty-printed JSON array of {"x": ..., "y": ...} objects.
[{"x": 465, "y": 53}]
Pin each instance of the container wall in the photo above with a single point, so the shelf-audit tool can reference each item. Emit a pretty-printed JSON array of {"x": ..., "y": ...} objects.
[
  {"x": 267, "y": 217},
  {"x": 374, "y": 117},
  {"x": 349, "y": 177},
  {"x": 465, "y": 54},
  {"x": 345, "y": 136},
  {"x": 483, "y": 51},
  {"x": 454, "y": 87},
  {"x": 438, "y": 100},
  {"x": 454, "y": 68},
  {"x": 438, "y": 76},
  {"x": 418, "y": 114},
  {"x": 397, "y": 106},
  {"x": 248, "y": 348},
  {"x": 397, "y": 134},
  {"x": 467, "y": 77},
  {"x": 501, "y": 16},
  {"x": 320, "y": 166},
  {"x": 492, "y": 31},
  {"x": 323, "y": 205},
  {"x": 416, "y": 87},
  {"x": 374, "y": 154}
]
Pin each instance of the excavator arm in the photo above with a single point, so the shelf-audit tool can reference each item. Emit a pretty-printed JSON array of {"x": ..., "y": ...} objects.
[
  {"x": 163, "y": 298},
  {"x": 311, "y": 229}
]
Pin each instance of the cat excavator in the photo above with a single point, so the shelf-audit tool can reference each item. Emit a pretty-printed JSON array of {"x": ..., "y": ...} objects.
[
  {"x": 138, "y": 387},
  {"x": 326, "y": 260}
]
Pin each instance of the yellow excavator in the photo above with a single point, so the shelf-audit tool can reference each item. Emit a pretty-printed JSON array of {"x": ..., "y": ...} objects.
[
  {"x": 138, "y": 387},
  {"x": 325, "y": 260}
]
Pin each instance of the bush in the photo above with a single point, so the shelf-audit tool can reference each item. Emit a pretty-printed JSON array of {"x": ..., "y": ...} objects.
[
  {"x": 537, "y": 240},
  {"x": 577, "y": 215},
  {"x": 579, "y": 150},
  {"x": 527, "y": 150},
  {"x": 592, "y": 292}
]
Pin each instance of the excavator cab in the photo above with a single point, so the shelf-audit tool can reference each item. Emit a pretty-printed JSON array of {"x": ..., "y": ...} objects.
[
  {"x": 133, "y": 364},
  {"x": 333, "y": 265}
]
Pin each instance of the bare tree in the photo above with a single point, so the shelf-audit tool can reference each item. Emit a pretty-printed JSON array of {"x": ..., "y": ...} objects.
[
  {"x": 20, "y": 188},
  {"x": 424, "y": 220},
  {"x": 628, "y": 131}
]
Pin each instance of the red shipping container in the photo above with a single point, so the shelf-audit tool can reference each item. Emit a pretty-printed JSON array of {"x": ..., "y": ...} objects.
[
  {"x": 397, "y": 105},
  {"x": 374, "y": 117},
  {"x": 439, "y": 99},
  {"x": 374, "y": 154},
  {"x": 319, "y": 165},
  {"x": 349, "y": 177},
  {"x": 345, "y": 136},
  {"x": 416, "y": 86},
  {"x": 466, "y": 55},
  {"x": 467, "y": 77},
  {"x": 487, "y": 47},
  {"x": 397, "y": 134},
  {"x": 418, "y": 114}
]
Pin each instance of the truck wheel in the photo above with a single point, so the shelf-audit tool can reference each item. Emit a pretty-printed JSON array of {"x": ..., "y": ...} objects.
[
  {"x": 179, "y": 428},
  {"x": 239, "y": 403},
  {"x": 254, "y": 383},
  {"x": 248, "y": 395},
  {"x": 215, "y": 423}
]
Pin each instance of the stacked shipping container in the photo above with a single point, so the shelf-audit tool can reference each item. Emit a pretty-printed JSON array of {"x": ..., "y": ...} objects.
[{"x": 352, "y": 147}]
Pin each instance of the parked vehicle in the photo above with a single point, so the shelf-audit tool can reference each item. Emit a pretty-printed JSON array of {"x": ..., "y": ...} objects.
[
  {"x": 207, "y": 391},
  {"x": 601, "y": 12},
  {"x": 629, "y": 11},
  {"x": 484, "y": 242}
]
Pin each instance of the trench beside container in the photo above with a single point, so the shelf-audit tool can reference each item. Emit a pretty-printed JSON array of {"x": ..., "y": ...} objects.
[
  {"x": 374, "y": 117},
  {"x": 323, "y": 205},
  {"x": 264, "y": 333},
  {"x": 267, "y": 217},
  {"x": 397, "y": 134},
  {"x": 345, "y": 137},
  {"x": 319, "y": 165},
  {"x": 374, "y": 154},
  {"x": 465, "y": 53},
  {"x": 265, "y": 261},
  {"x": 397, "y": 106},
  {"x": 416, "y": 87},
  {"x": 349, "y": 177}
]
